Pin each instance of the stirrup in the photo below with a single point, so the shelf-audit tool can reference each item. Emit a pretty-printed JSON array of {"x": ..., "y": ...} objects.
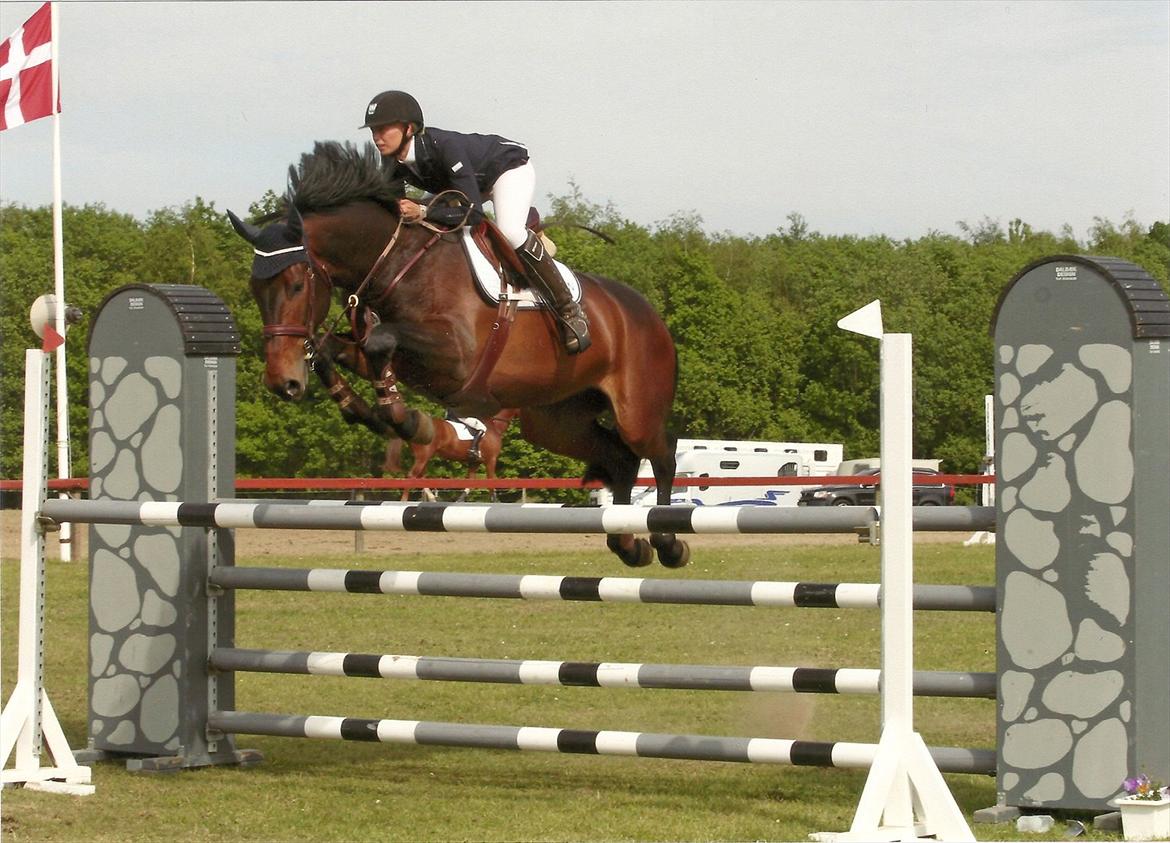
[{"x": 574, "y": 330}]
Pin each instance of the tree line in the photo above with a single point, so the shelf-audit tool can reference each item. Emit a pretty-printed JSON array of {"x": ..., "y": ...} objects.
[{"x": 754, "y": 319}]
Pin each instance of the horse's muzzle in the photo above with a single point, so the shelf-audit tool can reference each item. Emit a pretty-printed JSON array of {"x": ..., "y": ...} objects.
[{"x": 289, "y": 390}]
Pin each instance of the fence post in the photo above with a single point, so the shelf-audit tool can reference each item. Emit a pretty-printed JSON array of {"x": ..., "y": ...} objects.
[
  {"x": 905, "y": 796},
  {"x": 162, "y": 427},
  {"x": 1082, "y": 388},
  {"x": 28, "y": 723}
]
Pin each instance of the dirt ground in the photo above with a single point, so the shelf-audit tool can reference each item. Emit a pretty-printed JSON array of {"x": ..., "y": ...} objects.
[{"x": 259, "y": 543}]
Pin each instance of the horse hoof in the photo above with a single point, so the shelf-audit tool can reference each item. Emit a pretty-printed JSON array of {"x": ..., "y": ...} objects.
[
  {"x": 643, "y": 554},
  {"x": 638, "y": 555},
  {"x": 674, "y": 554}
]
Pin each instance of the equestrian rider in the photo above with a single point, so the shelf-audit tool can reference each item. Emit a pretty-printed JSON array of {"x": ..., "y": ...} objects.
[
  {"x": 476, "y": 428},
  {"x": 481, "y": 167}
]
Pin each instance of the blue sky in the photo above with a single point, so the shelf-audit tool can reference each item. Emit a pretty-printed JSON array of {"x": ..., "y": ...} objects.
[{"x": 867, "y": 118}]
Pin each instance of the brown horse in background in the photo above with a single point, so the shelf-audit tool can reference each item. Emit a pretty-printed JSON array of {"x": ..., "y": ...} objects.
[
  {"x": 417, "y": 317},
  {"x": 447, "y": 445}
]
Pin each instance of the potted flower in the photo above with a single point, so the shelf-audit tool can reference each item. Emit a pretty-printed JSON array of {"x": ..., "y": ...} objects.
[{"x": 1145, "y": 809}]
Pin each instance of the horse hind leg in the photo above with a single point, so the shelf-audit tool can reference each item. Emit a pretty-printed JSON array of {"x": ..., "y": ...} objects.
[
  {"x": 672, "y": 551},
  {"x": 619, "y": 473},
  {"x": 642, "y": 428},
  {"x": 491, "y": 455},
  {"x": 570, "y": 428}
]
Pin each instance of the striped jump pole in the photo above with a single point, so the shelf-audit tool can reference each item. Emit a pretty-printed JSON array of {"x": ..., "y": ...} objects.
[
  {"x": 808, "y": 595},
  {"x": 502, "y": 518},
  {"x": 799, "y": 680},
  {"x": 586, "y": 742}
]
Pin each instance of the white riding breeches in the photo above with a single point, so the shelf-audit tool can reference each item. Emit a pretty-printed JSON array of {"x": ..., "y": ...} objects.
[{"x": 511, "y": 198}]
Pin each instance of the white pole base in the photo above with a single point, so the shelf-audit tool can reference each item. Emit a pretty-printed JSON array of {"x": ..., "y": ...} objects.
[
  {"x": 905, "y": 797},
  {"x": 17, "y": 727}
]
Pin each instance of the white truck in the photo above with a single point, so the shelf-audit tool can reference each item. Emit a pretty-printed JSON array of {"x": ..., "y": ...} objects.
[{"x": 699, "y": 458}]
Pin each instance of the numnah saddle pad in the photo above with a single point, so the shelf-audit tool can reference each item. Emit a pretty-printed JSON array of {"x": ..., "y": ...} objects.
[{"x": 488, "y": 279}]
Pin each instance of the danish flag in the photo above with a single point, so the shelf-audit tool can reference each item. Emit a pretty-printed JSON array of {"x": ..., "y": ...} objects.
[{"x": 26, "y": 71}]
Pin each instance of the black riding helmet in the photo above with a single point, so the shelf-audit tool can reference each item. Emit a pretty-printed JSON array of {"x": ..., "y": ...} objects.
[{"x": 393, "y": 107}]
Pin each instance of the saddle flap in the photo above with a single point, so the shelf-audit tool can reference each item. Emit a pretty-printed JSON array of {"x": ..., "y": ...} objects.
[
  {"x": 493, "y": 243},
  {"x": 486, "y": 270}
]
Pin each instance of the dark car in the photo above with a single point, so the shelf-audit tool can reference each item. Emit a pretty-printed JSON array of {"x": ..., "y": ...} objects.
[{"x": 923, "y": 493}]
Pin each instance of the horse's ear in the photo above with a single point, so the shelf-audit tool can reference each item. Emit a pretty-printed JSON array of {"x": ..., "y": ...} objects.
[
  {"x": 296, "y": 223},
  {"x": 246, "y": 230}
]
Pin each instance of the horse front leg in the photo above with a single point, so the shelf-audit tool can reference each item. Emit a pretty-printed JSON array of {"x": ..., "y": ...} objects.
[
  {"x": 410, "y": 425},
  {"x": 352, "y": 406}
]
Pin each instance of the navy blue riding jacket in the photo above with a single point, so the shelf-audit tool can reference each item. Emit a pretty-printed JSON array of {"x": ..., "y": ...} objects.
[{"x": 469, "y": 163}]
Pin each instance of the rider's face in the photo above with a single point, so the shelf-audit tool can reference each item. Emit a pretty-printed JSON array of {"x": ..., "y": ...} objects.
[{"x": 388, "y": 138}]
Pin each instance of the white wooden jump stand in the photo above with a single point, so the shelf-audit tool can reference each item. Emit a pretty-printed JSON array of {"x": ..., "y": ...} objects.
[
  {"x": 905, "y": 796},
  {"x": 28, "y": 723}
]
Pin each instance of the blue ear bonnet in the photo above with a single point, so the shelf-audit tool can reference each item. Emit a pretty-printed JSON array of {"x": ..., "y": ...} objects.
[{"x": 275, "y": 249}]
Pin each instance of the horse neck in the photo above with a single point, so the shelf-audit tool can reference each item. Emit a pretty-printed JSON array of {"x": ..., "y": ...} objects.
[{"x": 354, "y": 236}]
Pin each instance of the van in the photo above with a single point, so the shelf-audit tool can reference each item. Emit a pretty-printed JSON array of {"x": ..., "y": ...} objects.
[
  {"x": 819, "y": 459},
  {"x": 699, "y": 458}
]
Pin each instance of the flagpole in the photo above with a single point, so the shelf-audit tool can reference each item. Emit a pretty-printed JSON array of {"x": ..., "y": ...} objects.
[{"x": 63, "y": 461}]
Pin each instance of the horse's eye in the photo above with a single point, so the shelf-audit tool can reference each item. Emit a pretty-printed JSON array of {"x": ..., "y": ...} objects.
[{"x": 297, "y": 287}]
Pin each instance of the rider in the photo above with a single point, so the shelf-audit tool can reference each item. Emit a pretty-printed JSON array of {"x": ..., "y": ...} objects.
[
  {"x": 481, "y": 167},
  {"x": 476, "y": 428}
]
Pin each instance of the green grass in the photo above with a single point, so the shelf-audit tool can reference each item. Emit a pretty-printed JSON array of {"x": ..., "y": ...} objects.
[{"x": 313, "y": 790}]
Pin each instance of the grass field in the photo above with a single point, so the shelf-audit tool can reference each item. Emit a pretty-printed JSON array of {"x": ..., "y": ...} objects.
[{"x": 311, "y": 790}]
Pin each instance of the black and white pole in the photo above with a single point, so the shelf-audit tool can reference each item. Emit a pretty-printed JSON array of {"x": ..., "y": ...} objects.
[
  {"x": 905, "y": 796},
  {"x": 28, "y": 723}
]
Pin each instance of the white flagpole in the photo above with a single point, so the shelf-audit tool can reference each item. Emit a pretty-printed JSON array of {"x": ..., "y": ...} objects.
[{"x": 63, "y": 463}]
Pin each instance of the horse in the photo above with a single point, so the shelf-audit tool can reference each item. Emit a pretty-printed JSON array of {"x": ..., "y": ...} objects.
[
  {"x": 411, "y": 301},
  {"x": 447, "y": 445}
]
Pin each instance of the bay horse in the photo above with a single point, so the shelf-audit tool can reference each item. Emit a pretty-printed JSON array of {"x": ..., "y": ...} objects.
[
  {"x": 411, "y": 300},
  {"x": 447, "y": 445}
]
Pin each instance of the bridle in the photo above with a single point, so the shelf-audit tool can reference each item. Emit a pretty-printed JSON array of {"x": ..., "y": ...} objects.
[{"x": 285, "y": 329}]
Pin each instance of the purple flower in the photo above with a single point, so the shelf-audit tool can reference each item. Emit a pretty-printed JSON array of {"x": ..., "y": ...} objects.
[
  {"x": 1141, "y": 787},
  {"x": 1136, "y": 784}
]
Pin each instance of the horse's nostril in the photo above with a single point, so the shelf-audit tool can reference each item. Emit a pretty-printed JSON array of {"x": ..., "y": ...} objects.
[{"x": 293, "y": 390}]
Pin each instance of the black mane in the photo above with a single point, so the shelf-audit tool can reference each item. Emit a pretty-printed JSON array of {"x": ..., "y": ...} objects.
[{"x": 336, "y": 174}]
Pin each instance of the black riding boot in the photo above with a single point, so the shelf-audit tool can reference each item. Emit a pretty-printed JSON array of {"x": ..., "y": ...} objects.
[
  {"x": 474, "y": 457},
  {"x": 546, "y": 280}
]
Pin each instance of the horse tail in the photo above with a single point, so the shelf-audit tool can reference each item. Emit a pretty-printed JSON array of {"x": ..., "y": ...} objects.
[{"x": 393, "y": 462}]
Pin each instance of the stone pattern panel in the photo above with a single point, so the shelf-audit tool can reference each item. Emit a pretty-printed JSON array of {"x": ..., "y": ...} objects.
[
  {"x": 1066, "y": 454},
  {"x": 134, "y": 682}
]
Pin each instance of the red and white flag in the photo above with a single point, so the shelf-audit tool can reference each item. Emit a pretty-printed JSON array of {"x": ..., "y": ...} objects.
[{"x": 26, "y": 71}]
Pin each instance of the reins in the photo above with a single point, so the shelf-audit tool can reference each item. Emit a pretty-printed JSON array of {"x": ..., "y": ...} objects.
[{"x": 354, "y": 304}]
